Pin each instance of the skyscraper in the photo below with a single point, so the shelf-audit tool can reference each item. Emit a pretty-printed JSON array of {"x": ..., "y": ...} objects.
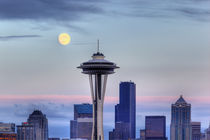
[
  {"x": 25, "y": 132},
  {"x": 81, "y": 126},
  {"x": 40, "y": 123},
  {"x": 155, "y": 128},
  {"x": 125, "y": 113},
  {"x": 180, "y": 120},
  {"x": 196, "y": 130},
  {"x": 98, "y": 70}
]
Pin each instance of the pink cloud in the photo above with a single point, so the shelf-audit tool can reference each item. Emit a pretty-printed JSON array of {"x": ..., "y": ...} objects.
[
  {"x": 108, "y": 99},
  {"x": 50, "y": 98}
]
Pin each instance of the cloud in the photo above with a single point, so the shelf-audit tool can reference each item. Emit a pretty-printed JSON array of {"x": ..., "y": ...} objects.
[
  {"x": 196, "y": 13},
  {"x": 52, "y": 110},
  {"x": 60, "y": 10},
  {"x": 65, "y": 10},
  {"x": 193, "y": 9},
  {"x": 5, "y": 38}
]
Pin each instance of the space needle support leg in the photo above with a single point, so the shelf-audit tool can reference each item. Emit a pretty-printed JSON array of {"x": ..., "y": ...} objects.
[
  {"x": 98, "y": 94},
  {"x": 104, "y": 86},
  {"x": 94, "y": 128},
  {"x": 101, "y": 80}
]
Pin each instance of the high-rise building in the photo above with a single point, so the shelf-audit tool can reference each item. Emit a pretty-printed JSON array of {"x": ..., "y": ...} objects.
[
  {"x": 7, "y": 127},
  {"x": 196, "y": 130},
  {"x": 155, "y": 128},
  {"x": 98, "y": 70},
  {"x": 81, "y": 126},
  {"x": 125, "y": 113},
  {"x": 40, "y": 123},
  {"x": 180, "y": 120},
  {"x": 25, "y": 131}
]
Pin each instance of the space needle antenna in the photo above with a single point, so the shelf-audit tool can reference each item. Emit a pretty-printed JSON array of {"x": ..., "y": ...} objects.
[{"x": 98, "y": 45}]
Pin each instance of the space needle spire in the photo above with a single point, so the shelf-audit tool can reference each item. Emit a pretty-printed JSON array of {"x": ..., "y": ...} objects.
[
  {"x": 98, "y": 70},
  {"x": 98, "y": 45}
]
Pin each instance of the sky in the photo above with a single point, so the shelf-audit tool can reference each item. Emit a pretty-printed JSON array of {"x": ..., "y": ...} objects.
[{"x": 161, "y": 45}]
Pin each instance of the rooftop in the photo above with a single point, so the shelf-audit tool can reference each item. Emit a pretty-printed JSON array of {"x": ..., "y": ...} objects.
[
  {"x": 83, "y": 108},
  {"x": 181, "y": 100},
  {"x": 37, "y": 112},
  {"x": 98, "y": 65}
]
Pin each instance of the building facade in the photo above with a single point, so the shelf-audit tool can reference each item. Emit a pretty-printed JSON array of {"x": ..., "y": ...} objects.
[
  {"x": 196, "y": 130},
  {"x": 25, "y": 132},
  {"x": 142, "y": 134},
  {"x": 180, "y": 120},
  {"x": 125, "y": 113},
  {"x": 8, "y": 136},
  {"x": 203, "y": 136},
  {"x": 7, "y": 131},
  {"x": 53, "y": 138},
  {"x": 7, "y": 127},
  {"x": 207, "y": 133},
  {"x": 40, "y": 123},
  {"x": 81, "y": 126},
  {"x": 155, "y": 128}
]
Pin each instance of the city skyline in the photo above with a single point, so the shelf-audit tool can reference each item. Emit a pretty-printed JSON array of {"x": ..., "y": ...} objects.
[
  {"x": 137, "y": 121},
  {"x": 163, "y": 46}
]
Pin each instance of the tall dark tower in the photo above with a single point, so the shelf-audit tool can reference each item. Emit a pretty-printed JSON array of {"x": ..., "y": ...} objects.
[
  {"x": 125, "y": 113},
  {"x": 180, "y": 120},
  {"x": 98, "y": 69},
  {"x": 40, "y": 124}
]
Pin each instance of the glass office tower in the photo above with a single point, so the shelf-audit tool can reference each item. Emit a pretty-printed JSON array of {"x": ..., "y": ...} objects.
[
  {"x": 40, "y": 124},
  {"x": 125, "y": 113},
  {"x": 181, "y": 120},
  {"x": 81, "y": 126}
]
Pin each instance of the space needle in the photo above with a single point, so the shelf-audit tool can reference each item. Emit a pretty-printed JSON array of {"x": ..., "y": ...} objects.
[{"x": 98, "y": 70}]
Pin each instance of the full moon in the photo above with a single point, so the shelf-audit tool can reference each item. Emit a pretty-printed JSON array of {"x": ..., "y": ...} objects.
[{"x": 64, "y": 39}]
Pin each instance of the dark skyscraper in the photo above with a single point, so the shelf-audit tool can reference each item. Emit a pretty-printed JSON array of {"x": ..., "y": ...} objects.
[
  {"x": 40, "y": 123},
  {"x": 81, "y": 126},
  {"x": 155, "y": 128},
  {"x": 196, "y": 130},
  {"x": 125, "y": 113},
  {"x": 180, "y": 120}
]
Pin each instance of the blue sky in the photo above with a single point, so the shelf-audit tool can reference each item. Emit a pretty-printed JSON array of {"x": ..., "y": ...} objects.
[{"x": 161, "y": 45}]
